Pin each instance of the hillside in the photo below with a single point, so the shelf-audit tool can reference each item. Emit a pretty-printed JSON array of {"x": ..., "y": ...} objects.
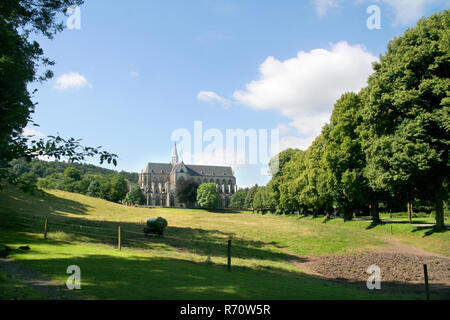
[{"x": 270, "y": 254}]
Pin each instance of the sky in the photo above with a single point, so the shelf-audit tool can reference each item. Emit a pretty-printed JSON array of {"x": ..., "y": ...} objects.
[{"x": 136, "y": 76}]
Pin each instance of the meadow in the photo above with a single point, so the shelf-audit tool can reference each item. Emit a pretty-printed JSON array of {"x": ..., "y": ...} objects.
[{"x": 190, "y": 260}]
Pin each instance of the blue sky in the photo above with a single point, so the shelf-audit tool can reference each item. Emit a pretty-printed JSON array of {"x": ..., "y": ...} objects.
[{"x": 136, "y": 71}]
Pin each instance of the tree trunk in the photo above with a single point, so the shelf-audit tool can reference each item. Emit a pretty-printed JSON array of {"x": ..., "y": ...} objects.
[
  {"x": 410, "y": 209},
  {"x": 348, "y": 214},
  {"x": 439, "y": 207},
  {"x": 375, "y": 213}
]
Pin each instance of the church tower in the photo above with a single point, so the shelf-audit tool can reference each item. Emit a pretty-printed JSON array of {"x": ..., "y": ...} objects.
[{"x": 175, "y": 155}]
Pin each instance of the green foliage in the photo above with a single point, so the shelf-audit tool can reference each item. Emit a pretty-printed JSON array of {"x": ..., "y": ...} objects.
[
  {"x": 119, "y": 188},
  {"x": 208, "y": 196},
  {"x": 187, "y": 191},
  {"x": 21, "y": 58},
  {"x": 94, "y": 189},
  {"x": 387, "y": 144},
  {"x": 344, "y": 158},
  {"x": 72, "y": 173},
  {"x": 406, "y": 114},
  {"x": 263, "y": 201},
  {"x": 238, "y": 199},
  {"x": 250, "y": 196},
  {"x": 135, "y": 196},
  {"x": 27, "y": 182}
]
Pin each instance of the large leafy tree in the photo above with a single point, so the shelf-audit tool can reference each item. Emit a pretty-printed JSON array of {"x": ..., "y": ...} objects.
[
  {"x": 406, "y": 114},
  {"x": 238, "y": 199},
  {"x": 250, "y": 196},
  {"x": 20, "y": 60},
  {"x": 290, "y": 184},
  {"x": 135, "y": 196},
  {"x": 278, "y": 171},
  {"x": 208, "y": 196},
  {"x": 263, "y": 200},
  {"x": 186, "y": 191},
  {"x": 315, "y": 194},
  {"x": 119, "y": 188},
  {"x": 345, "y": 159}
]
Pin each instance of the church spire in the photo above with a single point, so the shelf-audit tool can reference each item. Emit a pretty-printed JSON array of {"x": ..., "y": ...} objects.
[{"x": 175, "y": 155}]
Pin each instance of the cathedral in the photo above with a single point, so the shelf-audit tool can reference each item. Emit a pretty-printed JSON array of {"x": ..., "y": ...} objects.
[{"x": 158, "y": 181}]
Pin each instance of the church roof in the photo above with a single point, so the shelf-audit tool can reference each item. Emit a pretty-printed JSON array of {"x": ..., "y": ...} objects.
[
  {"x": 194, "y": 170},
  {"x": 200, "y": 170},
  {"x": 158, "y": 168}
]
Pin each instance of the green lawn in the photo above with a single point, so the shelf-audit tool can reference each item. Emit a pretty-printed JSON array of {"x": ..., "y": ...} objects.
[{"x": 189, "y": 262}]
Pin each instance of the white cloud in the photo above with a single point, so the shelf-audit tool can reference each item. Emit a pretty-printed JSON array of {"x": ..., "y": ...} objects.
[
  {"x": 322, "y": 6},
  {"x": 210, "y": 96},
  {"x": 305, "y": 88},
  {"x": 283, "y": 129},
  {"x": 295, "y": 143},
  {"x": 71, "y": 80},
  {"x": 407, "y": 11}
]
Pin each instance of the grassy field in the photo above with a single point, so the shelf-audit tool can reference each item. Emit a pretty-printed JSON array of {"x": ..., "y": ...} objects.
[
  {"x": 14, "y": 289},
  {"x": 189, "y": 262}
]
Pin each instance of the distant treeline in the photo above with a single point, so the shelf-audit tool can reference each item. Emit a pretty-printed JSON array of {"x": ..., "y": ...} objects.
[
  {"x": 86, "y": 179},
  {"x": 43, "y": 169}
]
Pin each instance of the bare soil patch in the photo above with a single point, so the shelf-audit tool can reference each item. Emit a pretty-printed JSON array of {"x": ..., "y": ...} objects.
[{"x": 401, "y": 269}]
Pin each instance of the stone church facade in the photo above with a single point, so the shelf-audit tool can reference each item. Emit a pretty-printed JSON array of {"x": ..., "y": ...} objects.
[{"x": 158, "y": 181}]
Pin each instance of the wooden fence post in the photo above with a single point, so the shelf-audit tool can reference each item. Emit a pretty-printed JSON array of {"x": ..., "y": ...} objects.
[
  {"x": 229, "y": 254},
  {"x": 45, "y": 228},
  {"x": 391, "y": 229},
  {"x": 427, "y": 289},
  {"x": 119, "y": 244}
]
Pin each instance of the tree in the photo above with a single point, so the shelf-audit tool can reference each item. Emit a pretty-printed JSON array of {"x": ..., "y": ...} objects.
[
  {"x": 314, "y": 193},
  {"x": 94, "y": 189},
  {"x": 135, "y": 196},
  {"x": 277, "y": 167},
  {"x": 73, "y": 173},
  {"x": 250, "y": 196},
  {"x": 406, "y": 114},
  {"x": 238, "y": 199},
  {"x": 344, "y": 158},
  {"x": 263, "y": 200},
  {"x": 186, "y": 191},
  {"x": 290, "y": 184},
  {"x": 119, "y": 188},
  {"x": 27, "y": 181},
  {"x": 207, "y": 196},
  {"x": 20, "y": 60}
]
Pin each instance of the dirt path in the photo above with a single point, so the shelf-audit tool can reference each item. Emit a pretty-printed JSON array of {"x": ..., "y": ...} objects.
[
  {"x": 50, "y": 288},
  {"x": 401, "y": 267}
]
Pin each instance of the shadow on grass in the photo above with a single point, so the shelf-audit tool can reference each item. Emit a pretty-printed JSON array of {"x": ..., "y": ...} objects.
[
  {"x": 207, "y": 242},
  {"x": 430, "y": 230},
  {"x": 141, "y": 277},
  {"x": 41, "y": 202},
  {"x": 122, "y": 275},
  {"x": 374, "y": 225}
]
